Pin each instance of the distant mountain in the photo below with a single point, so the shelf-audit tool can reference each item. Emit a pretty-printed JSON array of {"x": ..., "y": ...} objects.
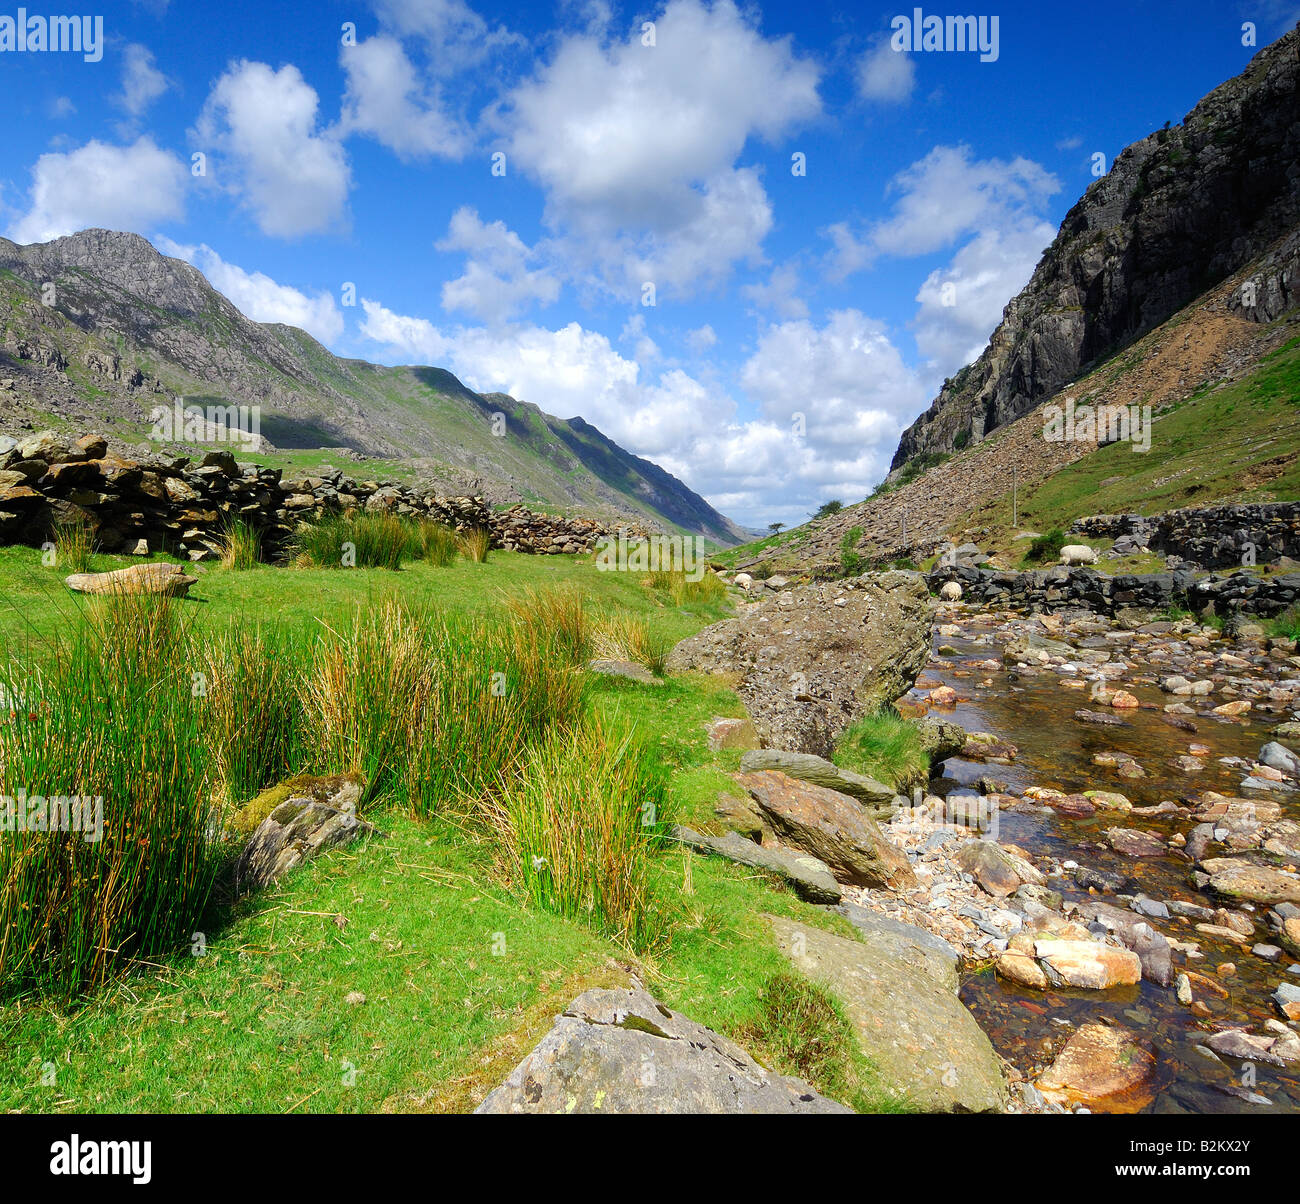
[
  {"x": 1178, "y": 212},
  {"x": 98, "y": 328}
]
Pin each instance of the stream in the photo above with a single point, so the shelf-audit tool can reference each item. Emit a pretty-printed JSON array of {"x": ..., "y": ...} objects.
[{"x": 1034, "y": 709}]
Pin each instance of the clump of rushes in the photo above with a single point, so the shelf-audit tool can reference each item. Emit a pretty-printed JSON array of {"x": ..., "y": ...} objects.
[
  {"x": 355, "y": 540},
  {"x": 248, "y": 703},
  {"x": 627, "y": 637},
  {"x": 118, "y": 724},
  {"x": 562, "y": 612},
  {"x": 1045, "y": 547},
  {"x": 577, "y": 825},
  {"x": 684, "y": 591},
  {"x": 886, "y": 746},
  {"x": 436, "y": 542},
  {"x": 1286, "y": 625},
  {"x": 240, "y": 546},
  {"x": 73, "y": 544},
  {"x": 475, "y": 544}
]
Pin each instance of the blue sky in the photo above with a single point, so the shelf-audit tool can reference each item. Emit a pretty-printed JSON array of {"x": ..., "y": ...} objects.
[{"x": 800, "y": 321}]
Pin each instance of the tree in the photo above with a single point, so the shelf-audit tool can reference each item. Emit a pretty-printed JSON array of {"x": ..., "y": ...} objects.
[
  {"x": 775, "y": 527},
  {"x": 826, "y": 509}
]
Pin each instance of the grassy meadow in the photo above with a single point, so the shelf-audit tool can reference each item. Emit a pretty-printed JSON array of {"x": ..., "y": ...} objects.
[{"x": 522, "y": 854}]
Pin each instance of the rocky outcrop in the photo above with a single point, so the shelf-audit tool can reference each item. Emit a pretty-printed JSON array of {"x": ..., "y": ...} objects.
[
  {"x": 900, "y": 994},
  {"x": 811, "y": 659},
  {"x": 621, "y": 1052},
  {"x": 1178, "y": 211}
]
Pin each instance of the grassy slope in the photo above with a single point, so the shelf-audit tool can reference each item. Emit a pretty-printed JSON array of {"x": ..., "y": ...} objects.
[{"x": 460, "y": 976}]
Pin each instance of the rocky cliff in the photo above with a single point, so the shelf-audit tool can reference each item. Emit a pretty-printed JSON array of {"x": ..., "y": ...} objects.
[{"x": 1177, "y": 213}]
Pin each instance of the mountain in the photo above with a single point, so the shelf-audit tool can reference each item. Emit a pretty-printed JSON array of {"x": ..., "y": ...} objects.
[
  {"x": 1178, "y": 212},
  {"x": 99, "y": 328}
]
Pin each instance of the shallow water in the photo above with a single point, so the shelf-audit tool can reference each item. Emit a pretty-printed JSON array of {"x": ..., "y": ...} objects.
[{"x": 1036, "y": 713}]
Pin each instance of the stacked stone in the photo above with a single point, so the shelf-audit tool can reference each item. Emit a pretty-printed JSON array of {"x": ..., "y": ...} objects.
[
  {"x": 1213, "y": 537},
  {"x": 171, "y": 503},
  {"x": 1063, "y": 589}
]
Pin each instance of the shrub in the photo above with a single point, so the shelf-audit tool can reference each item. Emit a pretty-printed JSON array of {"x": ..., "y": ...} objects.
[
  {"x": 886, "y": 746},
  {"x": 115, "y": 721},
  {"x": 240, "y": 546},
  {"x": 73, "y": 544},
  {"x": 576, "y": 825},
  {"x": 826, "y": 509},
  {"x": 851, "y": 561},
  {"x": 475, "y": 545},
  {"x": 1045, "y": 547}
]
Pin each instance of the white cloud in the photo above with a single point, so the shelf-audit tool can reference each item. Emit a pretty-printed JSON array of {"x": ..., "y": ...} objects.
[
  {"x": 456, "y": 36},
  {"x": 259, "y": 297},
  {"x": 142, "y": 82},
  {"x": 780, "y": 294},
  {"x": 845, "y": 377},
  {"x": 385, "y": 99},
  {"x": 62, "y": 106},
  {"x": 498, "y": 281},
  {"x": 961, "y": 305},
  {"x": 117, "y": 187},
  {"x": 885, "y": 74},
  {"x": 701, "y": 339},
  {"x": 637, "y": 146},
  {"x": 293, "y": 178}
]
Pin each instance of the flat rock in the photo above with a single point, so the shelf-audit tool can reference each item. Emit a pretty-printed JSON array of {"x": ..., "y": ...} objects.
[
  {"x": 622, "y": 1052},
  {"x": 1133, "y": 842},
  {"x": 628, "y": 669},
  {"x": 1255, "y": 883},
  {"x": 901, "y": 997},
  {"x": 875, "y": 796},
  {"x": 811, "y": 879},
  {"x": 1088, "y": 965},
  {"x": 161, "y": 578}
]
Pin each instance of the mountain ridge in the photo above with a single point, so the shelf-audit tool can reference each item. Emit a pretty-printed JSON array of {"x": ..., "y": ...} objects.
[{"x": 125, "y": 328}]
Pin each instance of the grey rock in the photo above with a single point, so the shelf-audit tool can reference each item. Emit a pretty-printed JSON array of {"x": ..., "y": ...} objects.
[{"x": 811, "y": 879}]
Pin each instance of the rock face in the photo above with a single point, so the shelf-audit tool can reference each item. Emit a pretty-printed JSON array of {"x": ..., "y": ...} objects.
[
  {"x": 900, "y": 994},
  {"x": 622, "y": 1052},
  {"x": 1103, "y": 1068},
  {"x": 168, "y": 579},
  {"x": 1178, "y": 211},
  {"x": 808, "y": 665},
  {"x": 833, "y": 828}
]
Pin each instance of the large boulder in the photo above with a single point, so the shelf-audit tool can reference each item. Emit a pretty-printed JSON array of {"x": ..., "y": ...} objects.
[
  {"x": 900, "y": 994},
  {"x": 833, "y": 828},
  {"x": 622, "y": 1052},
  {"x": 168, "y": 579},
  {"x": 812, "y": 659}
]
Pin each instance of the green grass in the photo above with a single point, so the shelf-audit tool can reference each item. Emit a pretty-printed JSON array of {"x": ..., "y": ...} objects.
[
  {"x": 886, "y": 746},
  {"x": 1045, "y": 548},
  {"x": 1286, "y": 625},
  {"x": 463, "y": 960}
]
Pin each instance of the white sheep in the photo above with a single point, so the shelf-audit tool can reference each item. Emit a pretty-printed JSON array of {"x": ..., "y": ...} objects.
[{"x": 1078, "y": 553}]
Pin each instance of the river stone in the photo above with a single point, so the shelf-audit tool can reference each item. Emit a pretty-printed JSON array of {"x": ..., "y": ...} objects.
[
  {"x": 900, "y": 995},
  {"x": 811, "y": 879},
  {"x": 1022, "y": 969},
  {"x": 1105, "y": 1068},
  {"x": 621, "y": 1052},
  {"x": 875, "y": 796},
  {"x": 1132, "y": 842},
  {"x": 161, "y": 578},
  {"x": 808, "y": 667},
  {"x": 1088, "y": 965},
  {"x": 1255, "y": 883},
  {"x": 832, "y": 827},
  {"x": 998, "y": 871},
  {"x": 1149, "y": 943},
  {"x": 1279, "y": 757},
  {"x": 1290, "y": 935}
]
